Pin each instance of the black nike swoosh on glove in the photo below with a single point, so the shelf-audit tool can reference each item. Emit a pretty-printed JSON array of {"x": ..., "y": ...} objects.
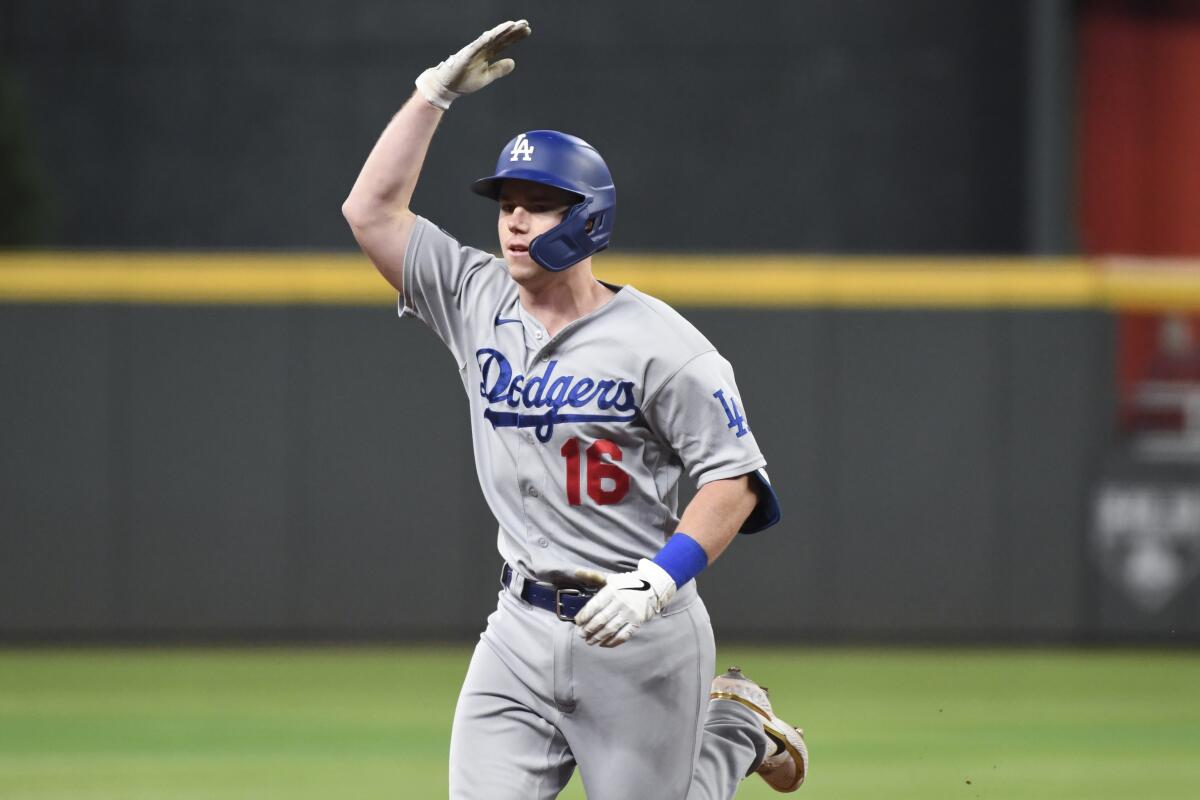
[{"x": 643, "y": 588}]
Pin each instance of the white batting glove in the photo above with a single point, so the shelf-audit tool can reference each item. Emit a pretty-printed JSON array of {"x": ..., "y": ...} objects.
[
  {"x": 627, "y": 601},
  {"x": 468, "y": 70}
]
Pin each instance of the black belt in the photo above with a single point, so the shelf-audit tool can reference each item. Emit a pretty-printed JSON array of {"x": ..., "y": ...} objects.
[{"x": 565, "y": 603}]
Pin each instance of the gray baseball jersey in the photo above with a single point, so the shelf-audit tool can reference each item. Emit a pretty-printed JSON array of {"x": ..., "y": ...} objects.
[
  {"x": 580, "y": 442},
  {"x": 580, "y": 439}
]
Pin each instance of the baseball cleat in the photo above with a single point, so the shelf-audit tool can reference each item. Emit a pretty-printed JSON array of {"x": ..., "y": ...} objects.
[{"x": 784, "y": 770}]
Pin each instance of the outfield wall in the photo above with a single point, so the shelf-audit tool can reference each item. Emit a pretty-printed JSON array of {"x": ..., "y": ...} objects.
[
  {"x": 829, "y": 127},
  {"x": 198, "y": 467}
]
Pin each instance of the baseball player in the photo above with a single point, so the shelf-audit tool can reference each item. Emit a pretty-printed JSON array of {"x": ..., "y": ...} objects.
[{"x": 588, "y": 403}]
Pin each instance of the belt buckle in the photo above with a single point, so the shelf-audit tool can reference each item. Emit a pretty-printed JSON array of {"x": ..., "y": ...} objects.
[{"x": 558, "y": 596}]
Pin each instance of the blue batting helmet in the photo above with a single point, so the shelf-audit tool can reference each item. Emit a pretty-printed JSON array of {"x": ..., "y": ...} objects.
[{"x": 569, "y": 163}]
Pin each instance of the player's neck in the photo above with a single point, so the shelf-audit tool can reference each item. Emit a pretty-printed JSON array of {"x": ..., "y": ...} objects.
[{"x": 564, "y": 297}]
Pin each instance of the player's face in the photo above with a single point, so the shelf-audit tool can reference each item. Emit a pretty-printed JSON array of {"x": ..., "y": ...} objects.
[{"x": 528, "y": 210}]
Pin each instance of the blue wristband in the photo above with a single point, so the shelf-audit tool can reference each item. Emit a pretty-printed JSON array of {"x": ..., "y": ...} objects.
[{"x": 682, "y": 558}]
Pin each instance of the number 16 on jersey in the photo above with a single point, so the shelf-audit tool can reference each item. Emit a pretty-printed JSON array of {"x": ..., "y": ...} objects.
[{"x": 598, "y": 470}]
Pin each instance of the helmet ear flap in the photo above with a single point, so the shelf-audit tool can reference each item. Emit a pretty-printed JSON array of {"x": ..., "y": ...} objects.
[{"x": 567, "y": 243}]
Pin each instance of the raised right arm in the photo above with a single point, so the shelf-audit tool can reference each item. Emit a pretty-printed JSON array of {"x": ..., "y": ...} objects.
[{"x": 377, "y": 208}]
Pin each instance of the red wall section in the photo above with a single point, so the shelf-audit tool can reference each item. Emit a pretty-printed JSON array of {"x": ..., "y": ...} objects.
[
  {"x": 1140, "y": 128},
  {"x": 1139, "y": 78}
]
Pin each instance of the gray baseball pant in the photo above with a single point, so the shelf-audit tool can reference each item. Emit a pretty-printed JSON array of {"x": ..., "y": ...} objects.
[{"x": 538, "y": 701}]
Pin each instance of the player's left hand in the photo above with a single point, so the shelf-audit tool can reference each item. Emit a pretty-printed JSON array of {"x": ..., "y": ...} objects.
[{"x": 627, "y": 601}]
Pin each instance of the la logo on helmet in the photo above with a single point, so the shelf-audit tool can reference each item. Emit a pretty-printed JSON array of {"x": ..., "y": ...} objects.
[{"x": 522, "y": 147}]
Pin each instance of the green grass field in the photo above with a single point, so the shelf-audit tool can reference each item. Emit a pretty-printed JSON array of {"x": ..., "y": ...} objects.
[{"x": 375, "y": 722}]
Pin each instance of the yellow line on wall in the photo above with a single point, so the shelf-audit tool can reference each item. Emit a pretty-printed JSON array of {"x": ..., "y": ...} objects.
[
  {"x": 190, "y": 278},
  {"x": 777, "y": 282},
  {"x": 718, "y": 281}
]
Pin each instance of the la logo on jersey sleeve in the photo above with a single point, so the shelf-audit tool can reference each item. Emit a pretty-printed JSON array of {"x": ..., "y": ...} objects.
[{"x": 733, "y": 413}]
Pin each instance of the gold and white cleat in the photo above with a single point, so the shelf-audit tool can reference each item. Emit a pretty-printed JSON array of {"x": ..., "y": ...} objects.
[{"x": 785, "y": 769}]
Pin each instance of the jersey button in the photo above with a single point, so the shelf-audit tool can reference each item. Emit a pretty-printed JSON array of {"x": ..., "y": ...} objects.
[
  {"x": 529, "y": 438},
  {"x": 533, "y": 492},
  {"x": 542, "y": 542},
  {"x": 537, "y": 334}
]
